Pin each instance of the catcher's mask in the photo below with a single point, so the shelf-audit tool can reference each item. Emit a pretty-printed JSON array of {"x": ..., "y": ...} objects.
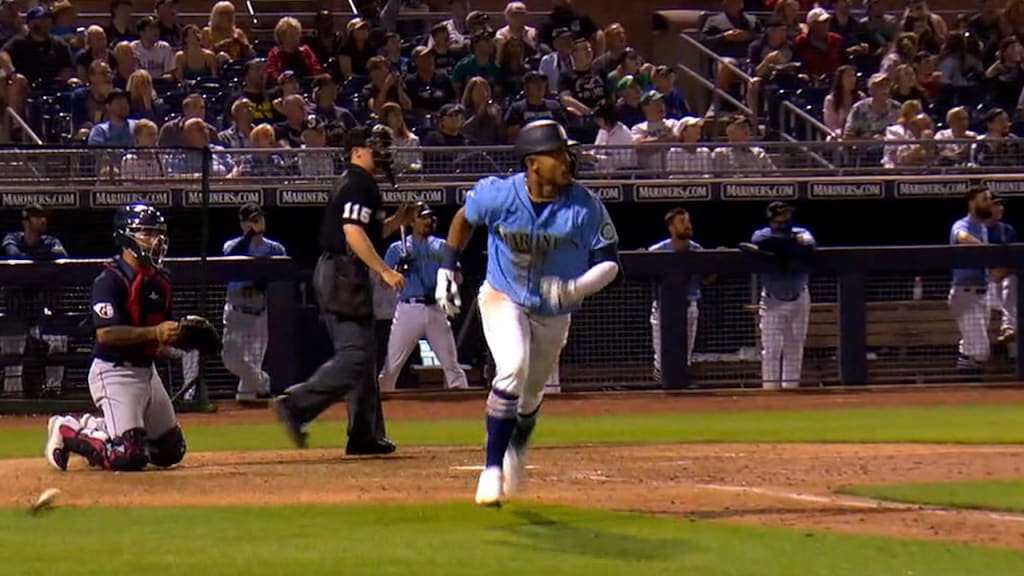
[{"x": 141, "y": 229}]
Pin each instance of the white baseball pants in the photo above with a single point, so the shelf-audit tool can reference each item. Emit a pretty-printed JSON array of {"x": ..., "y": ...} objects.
[
  {"x": 692, "y": 317},
  {"x": 412, "y": 322},
  {"x": 131, "y": 397},
  {"x": 783, "y": 332},
  {"x": 525, "y": 346},
  {"x": 245, "y": 345},
  {"x": 970, "y": 308},
  {"x": 1008, "y": 303}
]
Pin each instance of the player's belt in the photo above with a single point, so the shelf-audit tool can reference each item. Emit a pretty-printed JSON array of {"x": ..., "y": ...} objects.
[
  {"x": 427, "y": 301},
  {"x": 251, "y": 310},
  {"x": 972, "y": 289}
]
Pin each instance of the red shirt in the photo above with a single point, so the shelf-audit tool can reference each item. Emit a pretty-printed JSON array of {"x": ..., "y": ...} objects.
[
  {"x": 818, "y": 60},
  {"x": 304, "y": 63}
]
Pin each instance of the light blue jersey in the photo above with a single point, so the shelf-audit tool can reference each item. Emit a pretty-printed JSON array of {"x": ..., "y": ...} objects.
[
  {"x": 666, "y": 246},
  {"x": 241, "y": 295},
  {"x": 526, "y": 243},
  {"x": 421, "y": 278},
  {"x": 786, "y": 286},
  {"x": 977, "y": 277}
]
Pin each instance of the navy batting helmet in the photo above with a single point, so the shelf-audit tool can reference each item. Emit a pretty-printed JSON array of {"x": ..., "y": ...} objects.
[
  {"x": 141, "y": 229},
  {"x": 542, "y": 136}
]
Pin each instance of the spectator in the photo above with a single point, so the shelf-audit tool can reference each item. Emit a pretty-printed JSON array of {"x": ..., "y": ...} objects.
[
  {"x": 480, "y": 63},
  {"x": 627, "y": 107},
  {"x": 928, "y": 76},
  {"x": 922, "y": 151},
  {"x": 407, "y": 156},
  {"x": 193, "y": 61},
  {"x": 172, "y": 134},
  {"x": 1005, "y": 77},
  {"x": 664, "y": 81},
  {"x": 848, "y": 28},
  {"x": 770, "y": 60},
  {"x": 455, "y": 26},
  {"x": 448, "y": 134},
  {"x": 385, "y": 86},
  {"x": 325, "y": 41},
  {"x": 905, "y": 87},
  {"x": 564, "y": 16},
  {"x": 254, "y": 89},
  {"x": 445, "y": 57},
  {"x": 153, "y": 54},
  {"x": 237, "y": 136},
  {"x": 167, "y": 21},
  {"x": 786, "y": 11},
  {"x": 337, "y": 120},
  {"x": 740, "y": 156},
  {"x": 730, "y": 31},
  {"x": 581, "y": 91},
  {"x": 221, "y": 35},
  {"x": 962, "y": 72},
  {"x": 36, "y": 56},
  {"x": 689, "y": 158},
  {"x": 1013, "y": 19},
  {"x": 288, "y": 84},
  {"x": 144, "y": 102},
  {"x": 630, "y": 64},
  {"x": 10, "y": 21},
  {"x": 614, "y": 141},
  {"x": 476, "y": 22},
  {"x": 880, "y": 29},
  {"x": 930, "y": 28},
  {"x": 958, "y": 119},
  {"x": 290, "y": 53},
  {"x": 95, "y": 49},
  {"x": 392, "y": 52},
  {"x": 614, "y": 46},
  {"x": 195, "y": 135},
  {"x": 820, "y": 51},
  {"x": 315, "y": 162},
  {"x": 902, "y": 51},
  {"x": 125, "y": 64},
  {"x": 116, "y": 130},
  {"x": 728, "y": 81},
  {"x": 140, "y": 164},
  {"x": 512, "y": 63},
  {"x": 986, "y": 25},
  {"x": 122, "y": 26},
  {"x": 484, "y": 126},
  {"x": 64, "y": 14},
  {"x": 996, "y": 147},
  {"x": 89, "y": 103},
  {"x": 869, "y": 118},
  {"x": 267, "y": 161},
  {"x": 900, "y": 131},
  {"x": 428, "y": 89},
  {"x": 534, "y": 106},
  {"x": 357, "y": 50},
  {"x": 515, "y": 18},
  {"x": 558, "y": 61},
  {"x": 33, "y": 243},
  {"x": 840, "y": 99},
  {"x": 653, "y": 130},
  {"x": 289, "y": 132}
]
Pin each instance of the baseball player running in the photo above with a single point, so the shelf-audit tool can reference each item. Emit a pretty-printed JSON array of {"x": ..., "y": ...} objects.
[
  {"x": 416, "y": 315},
  {"x": 968, "y": 292},
  {"x": 680, "y": 239},
  {"x": 245, "y": 311},
  {"x": 785, "y": 301},
  {"x": 1003, "y": 282},
  {"x": 131, "y": 312},
  {"x": 551, "y": 244}
]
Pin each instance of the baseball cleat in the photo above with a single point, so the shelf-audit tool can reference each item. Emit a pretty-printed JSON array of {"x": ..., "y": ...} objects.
[
  {"x": 294, "y": 430},
  {"x": 488, "y": 489},
  {"x": 375, "y": 447},
  {"x": 514, "y": 470},
  {"x": 58, "y": 428}
]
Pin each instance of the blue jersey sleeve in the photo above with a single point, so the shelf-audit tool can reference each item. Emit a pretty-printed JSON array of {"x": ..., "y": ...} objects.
[
  {"x": 277, "y": 249},
  {"x": 1009, "y": 234},
  {"x": 106, "y": 300},
  {"x": 482, "y": 201},
  {"x": 392, "y": 255},
  {"x": 598, "y": 226},
  {"x": 760, "y": 235},
  {"x": 56, "y": 248}
]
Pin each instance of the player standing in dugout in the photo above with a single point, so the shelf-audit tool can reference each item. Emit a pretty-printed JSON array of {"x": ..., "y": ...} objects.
[{"x": 353, "y": 225}]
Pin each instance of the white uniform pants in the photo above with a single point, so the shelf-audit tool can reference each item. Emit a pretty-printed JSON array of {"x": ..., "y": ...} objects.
[
  {"x": 1007, "y": 291},
  {"x": 15, "y": 344},
  {"x": 412, "y": 322},
  {"x": 783, "y": 332},
  {"x": 692, "y": 317},
  {"x": 245, "y": 345},
  {"x": 525, "y": 346},
  {"x": 131, "y": 397},
  {"x": 970, "y": 308}
]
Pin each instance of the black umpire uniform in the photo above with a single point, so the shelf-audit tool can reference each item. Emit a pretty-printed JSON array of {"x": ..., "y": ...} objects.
[{"x": 343, "y": 289}]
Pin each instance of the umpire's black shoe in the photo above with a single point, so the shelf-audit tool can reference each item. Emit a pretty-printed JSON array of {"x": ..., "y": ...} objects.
[
  {"x": 291, "y": 426},
  {"x": 375, "y": 447}
]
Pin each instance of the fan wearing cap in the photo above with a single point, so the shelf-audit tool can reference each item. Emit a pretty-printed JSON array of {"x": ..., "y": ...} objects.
[
  {"x": 730, "y": 31},
  {"x": 770, "y": 60},
  {"x": 316, "y": 162},
  {"x": 479, "y": 62},
  {"x": 446, "y": 55},
  {"x": 116, "y": 130},
  {"x": 354, "y": 221},
  {"x": 64, "y": 14},
  {"x": 740, "y": 156},
  {"x": 785, "y": 300},
  {"x": 655, "y": 129},
  {"x": 534, "y": 106},
  {"x": 33, "y": 243},
  {"x": 820, "y": 51},
  {"x": 455, "y": 26},
  {"x": 628, "y": 94},
  {"x": 559, "y": 61},
  {"x": 35, "y": 56},
  {"x": 664, "y": 82},
  {"x": 153, "y": 54},
  {"x": 337, "y": 119},
  {"x": 357, "y": 49},
  {"x": 1002, "y": 281},
  {"x": 564, "y": 15},
  {"x": 428, "y": 88},
  {"x": 245, "y": 309},
  {"x": 689, "y": 158}
]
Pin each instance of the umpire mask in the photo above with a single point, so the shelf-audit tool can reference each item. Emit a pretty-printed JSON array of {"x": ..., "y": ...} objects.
[{"x": 380, "y": 142}]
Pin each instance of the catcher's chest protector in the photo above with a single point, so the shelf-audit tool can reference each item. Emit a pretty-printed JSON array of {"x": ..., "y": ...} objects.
[{"x": 149, "y": 295}]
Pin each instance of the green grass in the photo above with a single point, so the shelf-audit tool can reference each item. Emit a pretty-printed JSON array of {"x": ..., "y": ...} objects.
[
  {"x": 452, "y": 540},
  {"x": 937, "y": 424},
  {"x": 1005, "y": 495}
]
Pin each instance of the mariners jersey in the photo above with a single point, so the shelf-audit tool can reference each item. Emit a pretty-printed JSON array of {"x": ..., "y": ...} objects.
[
  {"x": 784, "y": 285},
  {"x": 527, "y": 242},
  {"x": 977, "y": 229},
  {"x": 666, "y": 246},
  {"x": 421, "y": 278},
  {"x": 243, "y": 295},
  {"x": 123, "y": 296},
  {"x": 48, "y": 248}
]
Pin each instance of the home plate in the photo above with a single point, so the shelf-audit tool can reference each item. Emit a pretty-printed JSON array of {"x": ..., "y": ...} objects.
[{"x": 480, "y": 468}]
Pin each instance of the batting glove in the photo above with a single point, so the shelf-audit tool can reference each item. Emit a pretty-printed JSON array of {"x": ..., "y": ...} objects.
[
  {"x": 559, "y": 294},
  {"x": 447, "y": 292}
]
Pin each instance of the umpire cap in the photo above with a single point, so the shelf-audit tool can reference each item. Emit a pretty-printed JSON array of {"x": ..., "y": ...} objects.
[{"x": 541, "y": 136}]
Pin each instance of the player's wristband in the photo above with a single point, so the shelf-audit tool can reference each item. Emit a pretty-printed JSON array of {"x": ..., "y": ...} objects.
[{"x": 449, "y": 257}]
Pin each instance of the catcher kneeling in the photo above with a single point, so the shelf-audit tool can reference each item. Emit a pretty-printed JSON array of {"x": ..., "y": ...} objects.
[{"x": 131, "y": 314}]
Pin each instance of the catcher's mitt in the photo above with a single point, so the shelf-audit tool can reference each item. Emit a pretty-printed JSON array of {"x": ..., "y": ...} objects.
[{"x": 198, "y": 334}]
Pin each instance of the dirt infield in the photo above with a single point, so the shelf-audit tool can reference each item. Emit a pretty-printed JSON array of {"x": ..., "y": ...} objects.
[{"x": 791, "y": 484}]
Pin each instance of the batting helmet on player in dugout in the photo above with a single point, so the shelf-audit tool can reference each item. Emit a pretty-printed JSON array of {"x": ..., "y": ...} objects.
[
  {"x": 131, "y": 223},
  {"x": 543, "y": 136}
]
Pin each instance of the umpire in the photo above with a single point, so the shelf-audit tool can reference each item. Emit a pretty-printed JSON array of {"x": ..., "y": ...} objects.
[{"x": 353, "y": 222}]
